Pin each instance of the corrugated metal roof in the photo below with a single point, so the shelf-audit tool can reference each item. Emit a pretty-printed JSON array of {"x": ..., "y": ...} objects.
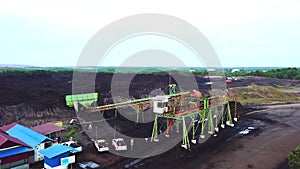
[
  {"x": 28, "y": 136},
  {"x": 14, "y": 151},
  {"x": 47, "y": 128},
  {"x": 57, "y": 150},
  {"x": 7, "y": 127},
  {"x": 4, "y": 138}
]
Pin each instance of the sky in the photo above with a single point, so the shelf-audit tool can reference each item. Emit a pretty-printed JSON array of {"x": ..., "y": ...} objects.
[{"x": 249, "y": 33}]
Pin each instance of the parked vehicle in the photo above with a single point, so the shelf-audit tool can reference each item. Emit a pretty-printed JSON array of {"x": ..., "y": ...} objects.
[
  {"x": 101, "y": 145},
  {"x": 230, "y": 79},
  {"x": 73, "y": 144},
  {"x": 119, "y": 144}
]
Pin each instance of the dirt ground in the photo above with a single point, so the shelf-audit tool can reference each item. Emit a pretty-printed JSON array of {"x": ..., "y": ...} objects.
[
  {"x": 266, "y": 149},
  {"x": 40, "y": 96},
  {"x": 277, "y": 132}
]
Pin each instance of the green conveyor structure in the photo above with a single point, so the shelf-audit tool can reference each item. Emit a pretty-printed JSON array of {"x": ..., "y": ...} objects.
[{"x": 86, "y": 100}]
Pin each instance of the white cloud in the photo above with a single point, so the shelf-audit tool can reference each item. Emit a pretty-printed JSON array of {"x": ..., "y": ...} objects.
[
  {"x": 228, "y": 24},
  {"x": 95, "y": 14}
]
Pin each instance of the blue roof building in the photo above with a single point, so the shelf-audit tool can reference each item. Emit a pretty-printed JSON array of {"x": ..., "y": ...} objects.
[
  {"x": 13, "y": 153},
  {"x": 28, "y": 136},
  {"x": 31, "y": 138},
  {"x": 57, "y": 156}
]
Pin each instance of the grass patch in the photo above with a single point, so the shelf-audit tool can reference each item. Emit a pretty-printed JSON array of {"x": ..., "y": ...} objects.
[
  {"x": 254, "y": 94},
  {"x": 282, "y": 87},
  {"x": 70, "y": 133}
]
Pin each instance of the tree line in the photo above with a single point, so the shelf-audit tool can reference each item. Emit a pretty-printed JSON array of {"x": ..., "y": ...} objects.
[{"x": 283, "y": 73}]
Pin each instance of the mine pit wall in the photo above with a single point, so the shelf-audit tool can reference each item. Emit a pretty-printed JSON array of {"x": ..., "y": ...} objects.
[
  {"x": 30, "y": 116},
  {"x": 240, "y": 109}
]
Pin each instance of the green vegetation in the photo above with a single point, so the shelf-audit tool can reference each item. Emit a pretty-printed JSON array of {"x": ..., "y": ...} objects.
[
  {"x": 86, "y": 69},
  {"x": 29, "y": 71},
  {"x": 254, "y": 94},
  {"x": 70, "y": 133},
  {"x": 284, "y": 73},
  {"x": 294, "y": 158}
]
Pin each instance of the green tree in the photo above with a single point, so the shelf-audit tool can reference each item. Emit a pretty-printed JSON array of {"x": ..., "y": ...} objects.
[
  {"x": 297, "y": 77},
  {"x": 294, "y": 158},
  {"x": 291, "y": 73}
]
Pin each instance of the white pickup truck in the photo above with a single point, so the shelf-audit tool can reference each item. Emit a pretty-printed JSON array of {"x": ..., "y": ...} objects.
[
  {"x": 119, "y": 144},
  {"x": 101, "y": 145},
  {"x": 73, "y": 144}
]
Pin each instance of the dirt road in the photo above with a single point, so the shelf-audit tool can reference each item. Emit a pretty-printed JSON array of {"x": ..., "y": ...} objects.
[
  {"x": 280, "y": 135},
  {"x": 277, "y": 133}
]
